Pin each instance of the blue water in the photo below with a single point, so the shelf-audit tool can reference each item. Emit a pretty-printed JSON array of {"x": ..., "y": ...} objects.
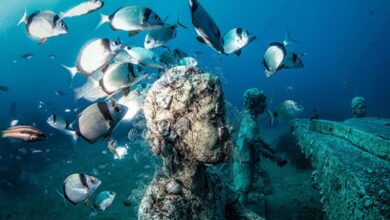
[{"x": 344, "y": 41}]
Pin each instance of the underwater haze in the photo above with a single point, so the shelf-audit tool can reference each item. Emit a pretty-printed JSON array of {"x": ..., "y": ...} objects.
[{"x": 344, "y": 46}]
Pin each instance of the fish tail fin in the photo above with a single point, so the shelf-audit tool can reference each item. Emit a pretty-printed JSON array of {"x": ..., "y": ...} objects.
[
  {"x": 73, "y": 135},
  {"x": 288, "y": 39},
  {"x": 103, "y": 19},
  {"x": 73, "y": 71},
  {"x": 180, "y": 24},
  {"x": 24, "y": 17}
]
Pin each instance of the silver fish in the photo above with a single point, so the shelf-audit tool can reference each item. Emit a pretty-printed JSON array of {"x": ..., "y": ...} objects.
[
  {"x": 23, "y": 133},
  {"x": 94, "y": 56},
  {"x": 79, "y": 187},
  {"x": 118, "y": 76},
  {"x": 159, "y": 37},
  {"x": 60, "y": 124},
  {"x": 83, "y": 8},
  {"x": 288, "y": 110},
  {"x": 140, "y": 55},
  {"x": 27, "y": 56},
  {"x": 275, "y": 55},
  {"x": 188, "y": 61},
  {"x": 236, "y": 39},
  {"x": 43, "y": 25},
  {"x": 104, "y": 199},
  {"x": 206, "y": 28},
  {"x": 133, "y": 19},
  {"x": 99, "y": 120}
]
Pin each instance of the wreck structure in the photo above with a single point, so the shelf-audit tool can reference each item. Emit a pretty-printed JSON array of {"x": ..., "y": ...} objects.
[{"x": 352, "y": 165}]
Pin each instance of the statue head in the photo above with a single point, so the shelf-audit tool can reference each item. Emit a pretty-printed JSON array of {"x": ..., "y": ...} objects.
[
  {"x": 184, "y": 110},
  {"x": 359, "y": 107},
  {"x": 255, "y": 101}
]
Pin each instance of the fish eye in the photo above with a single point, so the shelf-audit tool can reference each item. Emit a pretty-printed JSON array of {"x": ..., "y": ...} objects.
[
  {"x": 128, "y": 47},
  {"x": 116, "y": 43},
  {"x": 139, "y": 69},
  {"x": 155, "y": 17},
  {"x": 116, "y": 109},
  {"x": 148, "y": 41}
]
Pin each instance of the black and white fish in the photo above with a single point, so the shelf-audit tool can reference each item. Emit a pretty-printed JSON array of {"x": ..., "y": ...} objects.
[
  {"x": 206, "y": 28},
  {"x": 140, "y": 55},
  {"x": 275, "y": 57},
  {"x": 117, "y": 76},
  {"x": 60, "y": 123},
  {"x": 99, "y": 120},
  {"x": 236, "y": 39},
  {"x": 27, "y": 56},
  {"x": 133, "y": 19},
  {"x": 104, "y": 199},
  {"x": 79, "y": 187},
  {"x": 160, "y": 37},
  {"x": 83, "y": 8},
  {"x": 95, "y": 55},
  {"x": 43, "y": 25}
]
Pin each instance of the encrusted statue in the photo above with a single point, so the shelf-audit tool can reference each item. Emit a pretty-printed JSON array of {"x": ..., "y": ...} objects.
[
  {"x": 184, "y": 111},
  {"x": 249, "y": 144},
  {"x": 359, "y": 107}
]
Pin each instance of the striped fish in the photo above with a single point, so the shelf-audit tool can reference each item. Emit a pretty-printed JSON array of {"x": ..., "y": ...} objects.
[{"x": 24, "y": 133}]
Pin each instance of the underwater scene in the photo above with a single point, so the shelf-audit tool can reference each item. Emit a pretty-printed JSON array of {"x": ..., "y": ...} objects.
[{"x": 194, "y": 109}]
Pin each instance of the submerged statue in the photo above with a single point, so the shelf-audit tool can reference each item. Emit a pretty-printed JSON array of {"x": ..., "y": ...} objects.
[
  {"x": 184, "y": 111},
  {"x": 249, "y": 144},
  {"x": 359, "y": 107}
]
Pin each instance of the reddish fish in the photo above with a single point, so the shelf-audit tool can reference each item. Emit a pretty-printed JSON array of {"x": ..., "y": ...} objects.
[{"x": 24, "y": 133}]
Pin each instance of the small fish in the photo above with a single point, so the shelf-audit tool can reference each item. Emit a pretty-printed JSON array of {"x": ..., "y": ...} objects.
[
  {"x": 94, "y": 56},
  {"x": 205, "y": 27},
  {"x": 99, "y": 120},
  {"x": 13, "y": 122},
  {"x": 104, "y": 199},
  {"x": 119, "y": 151},
  {"x": 60, "y": 124},
  {"x": 236, "y": 39},
  {"x": 148, "y": 58},
  {"x": 51, "y": 56},
  {"x": 43, "y": 25},
  {"x": 288, "y": 110},
  {"x": 83, "y": 8},
  {"x": 34, "y": 151},
  {"x": 160, "y": 37},
  {"x": 118, "y": 76},
  {"x": 132, "y": 19},
  {"x": 289, "y": 88},
  {"x": 27, "y": 56},
  {"x": 188, "y": 61},
  {"x": 4, "y": 88},
  {"x": 79, "y": 187},
  {"x": 275, "y": 56},
  {"x": 60, "y": 93},
  {"x": 271, "y": 119},
  {"x": 24, "y": 133}
]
